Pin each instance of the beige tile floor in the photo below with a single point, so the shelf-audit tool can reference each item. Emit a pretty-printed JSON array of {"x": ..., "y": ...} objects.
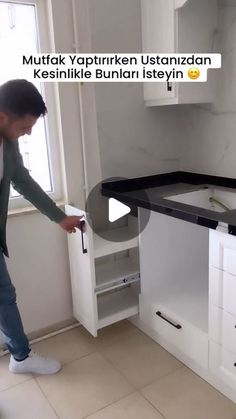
[{"x": 120, "y": 375}]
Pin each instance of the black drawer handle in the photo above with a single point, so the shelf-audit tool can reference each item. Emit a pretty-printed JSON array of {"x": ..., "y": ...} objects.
[
  {"x": 176, "y": 325},
  {"x": 169, "y": 86},
  {"x": 235, "y": 364},
  {"x": 82, "y": 223}
]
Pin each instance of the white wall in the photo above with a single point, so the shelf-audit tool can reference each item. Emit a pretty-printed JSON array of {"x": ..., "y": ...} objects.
[
  {"x": 134, "y": 140},
  {"x": 209, "y": 130},
  {"x": 39, "y": 268}
]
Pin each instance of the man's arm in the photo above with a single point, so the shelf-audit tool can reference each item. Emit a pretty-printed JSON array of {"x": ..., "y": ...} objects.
[{"x": 26, "y": 186}]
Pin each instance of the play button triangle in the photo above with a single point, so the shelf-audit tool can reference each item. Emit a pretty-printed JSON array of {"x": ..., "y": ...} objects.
[{"x": 117, "y": 210}]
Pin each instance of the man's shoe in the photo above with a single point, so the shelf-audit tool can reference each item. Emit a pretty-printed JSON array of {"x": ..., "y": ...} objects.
[{"x": 34, "y": 364}]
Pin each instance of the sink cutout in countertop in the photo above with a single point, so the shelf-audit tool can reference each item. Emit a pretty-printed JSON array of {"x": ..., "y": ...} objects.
[{"x": 214, "y": 199}]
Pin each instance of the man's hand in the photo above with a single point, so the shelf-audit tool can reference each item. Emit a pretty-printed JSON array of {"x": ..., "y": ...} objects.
[{"x": 69, "y": 223}]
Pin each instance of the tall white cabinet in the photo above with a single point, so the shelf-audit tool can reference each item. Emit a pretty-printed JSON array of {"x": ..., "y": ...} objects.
[
  {"x": 105, "y": 275},
  {"x": 104, "y": 272}
]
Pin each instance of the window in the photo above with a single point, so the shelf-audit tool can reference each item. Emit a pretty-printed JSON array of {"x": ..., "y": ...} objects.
[{"x": 19, "y": 23}]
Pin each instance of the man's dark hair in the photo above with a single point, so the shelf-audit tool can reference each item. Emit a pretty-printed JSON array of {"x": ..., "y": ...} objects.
[{"x": 20, "y": 97}]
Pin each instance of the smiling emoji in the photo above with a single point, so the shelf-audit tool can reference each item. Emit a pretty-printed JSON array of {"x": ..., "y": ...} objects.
[{"x": 194, "y": 73}]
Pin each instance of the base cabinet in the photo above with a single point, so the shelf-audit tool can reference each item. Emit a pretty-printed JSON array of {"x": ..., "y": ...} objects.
[
  {"x": 175, "y": 281},
  {"x": 175, "y": 330},
  {"x": 222, "y": 308},
  {"x": 187, "y": 300}
]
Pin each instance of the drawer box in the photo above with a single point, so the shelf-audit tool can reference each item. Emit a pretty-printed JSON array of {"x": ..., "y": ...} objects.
[
  {"x": 222, "y": 289},
  {"x": 222, "y": 364},
  {"x": 222, "y": 328},
  {"x": 222, "y": 254},
  {"x": 181, "y": 334}
]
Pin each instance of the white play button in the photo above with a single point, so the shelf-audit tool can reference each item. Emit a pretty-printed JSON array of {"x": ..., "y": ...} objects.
[
  {"x": 117, "y": 210},
  {"x": 114, "y": 209}
]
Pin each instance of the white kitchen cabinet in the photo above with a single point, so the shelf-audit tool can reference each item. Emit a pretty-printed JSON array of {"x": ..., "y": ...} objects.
[
  {"x": 174, "y": 282},
  {"x": 105, "y": 276},
  {"x": 222, "y": 309},
  {"x": 179, "y": 26},
  {"x": 223, "y": 364},
  {"x": 222, "y": 289},
  {"x": 222, "y": 328},
  {"x": 187, "y": 298},
  {"x": 172, "y": 287},
  {"x": 177, "y": 331},
  {"x": 223, "y": 252},
  {"x": 82, "y": 272}
]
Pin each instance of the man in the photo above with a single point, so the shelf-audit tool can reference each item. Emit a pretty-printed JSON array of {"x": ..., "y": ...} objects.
[{"x": 20, "y": 106}]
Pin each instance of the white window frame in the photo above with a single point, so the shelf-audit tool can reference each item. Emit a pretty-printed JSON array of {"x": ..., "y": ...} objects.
[{"x": 49, "y": 92}]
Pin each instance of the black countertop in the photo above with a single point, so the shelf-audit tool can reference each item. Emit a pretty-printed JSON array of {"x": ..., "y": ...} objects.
[{"x": 151, "y": 192}]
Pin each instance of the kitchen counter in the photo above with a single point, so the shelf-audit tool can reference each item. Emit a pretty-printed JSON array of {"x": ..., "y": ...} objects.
[{"x": 152, "y": 192}]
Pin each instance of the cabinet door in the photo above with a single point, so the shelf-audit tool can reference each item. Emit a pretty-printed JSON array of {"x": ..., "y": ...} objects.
[
  {"x": 223, "y": 251},
  {"x": 179, "y": 26},
  {"x": 222, "y": 289},
  {"x": 223, "y": 364},
  {"x": 82, "y": 270},
  {"x": 158, "y": 38},
  {"x": 178, "y": 334},
  {"x": 222, "y": 328}
]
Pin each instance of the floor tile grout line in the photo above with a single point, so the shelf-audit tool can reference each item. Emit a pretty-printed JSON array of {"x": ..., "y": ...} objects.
[
  {"x": 152, "y": 404},
  {"x": 130, "y": 384},
  {"x": 109, "y": 404},
  {"x": 77, "y": 359},
  {"x": 16, "y": 385},
  {"x": 100, "y": 352},
  {"x": 208, "y": 384},
  {"x": 96, "y": 349},
  {"x": 103, "y": 345},
  {"x": 138, "y": 388},
  {"x": 134, "y": 329},
  {"x": 64, "y": 364},
  {"x": 133, "y": 390},
  {"x": 117, "y": 401},
  {"x": 45, "y": 396},
  {"x": 160, "y": 378},
  {"x": 117, "y": 370}
]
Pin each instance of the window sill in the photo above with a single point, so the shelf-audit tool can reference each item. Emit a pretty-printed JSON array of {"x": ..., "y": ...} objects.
[{"x": 30, "y": 209}]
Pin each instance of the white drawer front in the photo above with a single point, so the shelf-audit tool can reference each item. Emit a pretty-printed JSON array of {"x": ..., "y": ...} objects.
[
  {"x": 223, "y": 364},
  {"x": 222, "y": 252},
  {"x": 222, "y": 328},
  {"x": 190, "y": 340},
  {"x": 222, "y": 289}
]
